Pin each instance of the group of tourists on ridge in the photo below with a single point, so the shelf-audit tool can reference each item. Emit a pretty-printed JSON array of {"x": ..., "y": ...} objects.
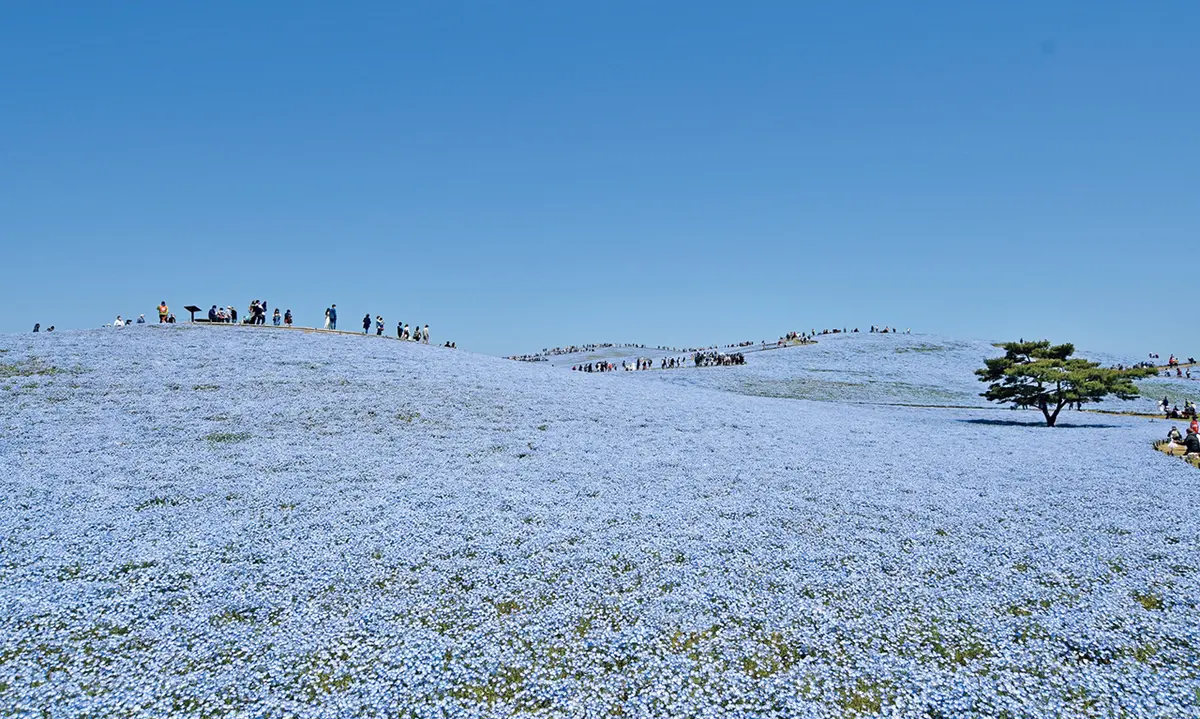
[
  {"x": 418, "y": 334},
  {"x": 257, "y": 315}
]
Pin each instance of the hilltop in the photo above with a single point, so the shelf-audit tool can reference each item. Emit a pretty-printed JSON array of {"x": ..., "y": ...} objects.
[{"x": 247, "y": 522}]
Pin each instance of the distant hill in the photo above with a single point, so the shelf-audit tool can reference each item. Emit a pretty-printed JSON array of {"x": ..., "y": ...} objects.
[{"x": 856, "y": 367}]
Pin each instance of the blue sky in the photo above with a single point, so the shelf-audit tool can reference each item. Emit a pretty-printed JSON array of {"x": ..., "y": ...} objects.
[{"x": 523, "y": 175}]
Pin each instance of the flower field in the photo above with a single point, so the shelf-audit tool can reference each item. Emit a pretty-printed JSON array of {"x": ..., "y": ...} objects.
[{"x": 248, "y": 522}]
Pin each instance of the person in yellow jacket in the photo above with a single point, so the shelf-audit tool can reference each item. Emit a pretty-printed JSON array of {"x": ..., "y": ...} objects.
[{"x": 163, "y": 311}]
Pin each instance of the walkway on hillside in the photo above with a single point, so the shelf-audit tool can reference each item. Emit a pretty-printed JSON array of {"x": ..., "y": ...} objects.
[{"x": 309, "y": 330}]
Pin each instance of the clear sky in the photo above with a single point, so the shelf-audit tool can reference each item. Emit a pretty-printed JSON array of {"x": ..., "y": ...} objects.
[{"x": 529, "y": 174}]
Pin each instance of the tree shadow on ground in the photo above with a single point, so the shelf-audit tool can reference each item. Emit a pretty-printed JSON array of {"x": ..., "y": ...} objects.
[{"x": 1018, "y": 423}]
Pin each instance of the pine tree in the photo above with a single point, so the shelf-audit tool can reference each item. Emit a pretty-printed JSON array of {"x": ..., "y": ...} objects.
[{"x": 1041, "y": 375}]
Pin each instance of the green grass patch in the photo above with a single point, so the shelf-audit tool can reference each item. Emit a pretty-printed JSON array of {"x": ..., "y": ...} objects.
[
  {"x": 157, "y": 502},
  {"x": 1149, "y": 601},
  {"x": 227, "y": 437},
  {"x": 28, "y": 368}
]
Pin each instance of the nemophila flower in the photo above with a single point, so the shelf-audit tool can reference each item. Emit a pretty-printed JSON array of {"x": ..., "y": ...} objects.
[{"x": 230, "y": 522}]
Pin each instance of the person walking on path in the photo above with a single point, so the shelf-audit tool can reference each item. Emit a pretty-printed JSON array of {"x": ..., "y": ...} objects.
[
  {"x": 163, "y": 311},
  {"x": 333, "y": 317},
  {"x": 367, "y": 323}
]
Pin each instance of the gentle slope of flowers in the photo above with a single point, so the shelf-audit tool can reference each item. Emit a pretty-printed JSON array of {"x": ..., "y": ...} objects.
[{"x": 204, "y": 522}]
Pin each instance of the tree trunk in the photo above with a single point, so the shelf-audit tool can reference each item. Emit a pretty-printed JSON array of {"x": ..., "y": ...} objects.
[{"x": 1052, "y": 417}]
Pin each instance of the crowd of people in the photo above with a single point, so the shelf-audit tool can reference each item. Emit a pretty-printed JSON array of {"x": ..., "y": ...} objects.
[
  {"x": 1191, "y": 442},
  {"x": 418, "y": 334},
  {"x": 712, "y": 358},
  {"x": 594, "y": 367},
  {"x": 1173, "y": 412},
  {"x": 257, "y": 312},
  {"x": 141, "y": 320},
  {"x": 795, "y": 337},
  {"x": 699, "y": 358},
  {"x": 546, "y": 354}
]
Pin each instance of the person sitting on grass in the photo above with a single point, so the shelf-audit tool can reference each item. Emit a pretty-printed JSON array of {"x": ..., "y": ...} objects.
[
  {"x": 1192, "y": 442},
  {"x": 1174, "y": 436}
]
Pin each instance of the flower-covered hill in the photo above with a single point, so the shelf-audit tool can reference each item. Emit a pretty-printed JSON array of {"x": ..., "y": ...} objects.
[
  {"x": 205, "y": 522},
  {"x": 861, "y": 368}
]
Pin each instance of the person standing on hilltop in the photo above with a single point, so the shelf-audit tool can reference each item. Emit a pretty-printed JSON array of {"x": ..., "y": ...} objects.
[
  {"x": 399, "y": 330},
  {"x": 287, "y": 318},
  {"x": 163, "y": 311},
  {"x": 326, "y": 318},
  {"x": 425, "y": 335},
  {"x": 276, "y": 318},
  {"x": 333, "y": 316},
  {"x": 378, "y": 325},
  {"x": 367, "y": 323}
]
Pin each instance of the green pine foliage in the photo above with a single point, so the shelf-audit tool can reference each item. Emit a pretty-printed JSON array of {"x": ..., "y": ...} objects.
[{"x": 1045, "y": 376}]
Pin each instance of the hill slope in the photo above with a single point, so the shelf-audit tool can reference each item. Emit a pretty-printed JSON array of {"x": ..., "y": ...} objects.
[{"x": 240, "y": 521}]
